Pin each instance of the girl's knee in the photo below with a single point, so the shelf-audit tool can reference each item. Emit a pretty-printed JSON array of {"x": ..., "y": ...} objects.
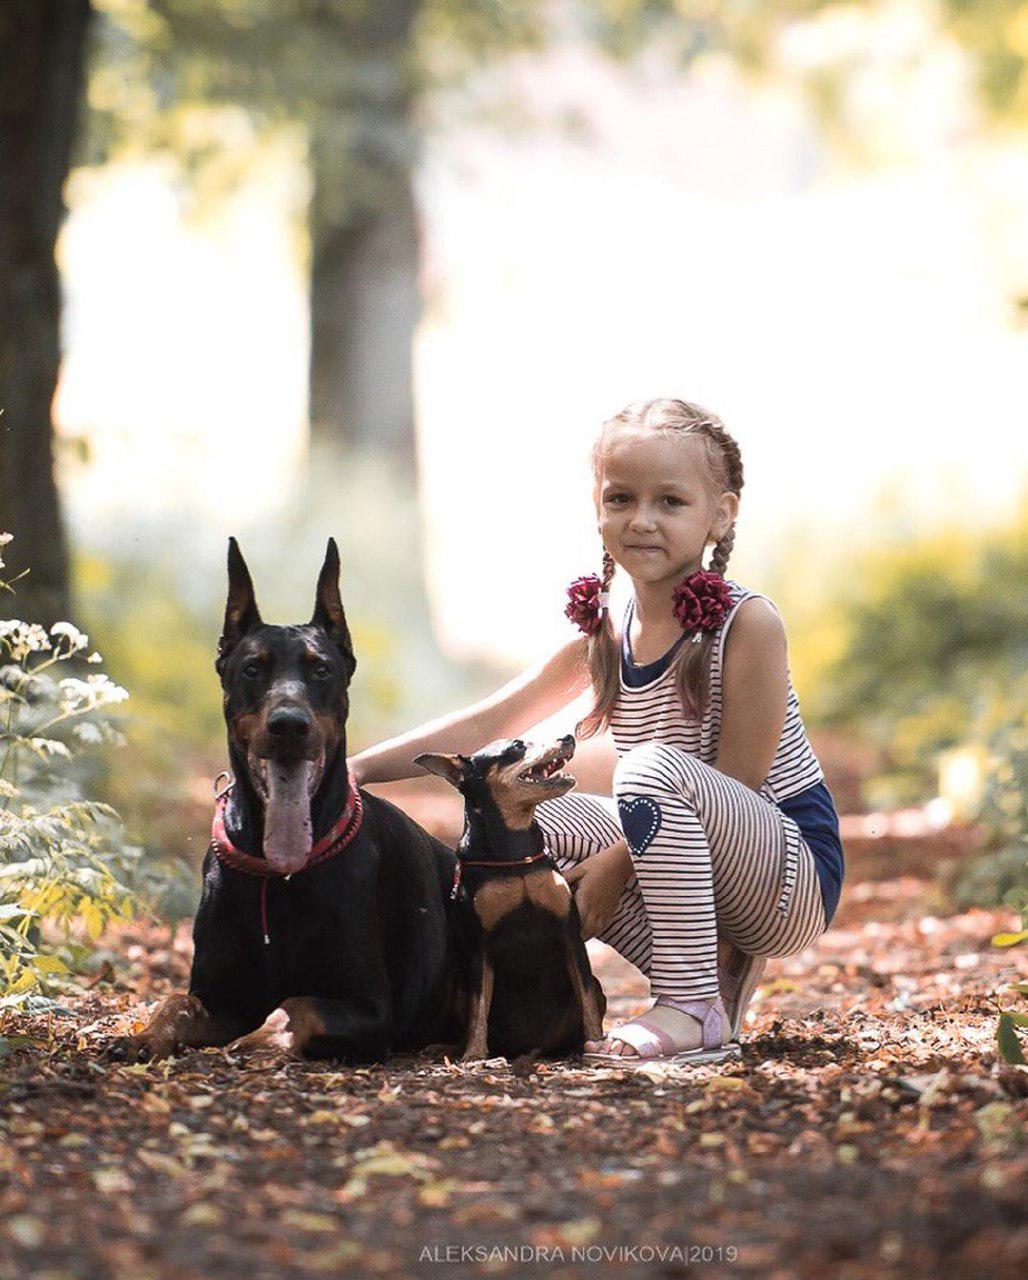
[
  {"x": 657, "y": 767},
  {"x": 651, "y": 763}
]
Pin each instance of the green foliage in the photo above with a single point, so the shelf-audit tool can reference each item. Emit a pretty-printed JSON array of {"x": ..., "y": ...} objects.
[
  {"x": 173, "y": 76},
  {"x": 996, "y": 32},
  {"x": 932, "y": 645},
  {"x": 996, "y": 878},
  {"x": 66, "y": 870},
  {"x": 1003, "y": 809},
  {"x": 1004, "y": 813},
  {"x": 1000, "y": 875},
  {"x": 1007, "y": 1040}
]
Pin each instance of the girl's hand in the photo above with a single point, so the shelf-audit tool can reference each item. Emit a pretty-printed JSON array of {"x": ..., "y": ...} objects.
[{"x": 598, "y": 883}]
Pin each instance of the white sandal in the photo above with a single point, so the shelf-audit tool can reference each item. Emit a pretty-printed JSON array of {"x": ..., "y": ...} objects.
[{"x": 651, "y": 1042}]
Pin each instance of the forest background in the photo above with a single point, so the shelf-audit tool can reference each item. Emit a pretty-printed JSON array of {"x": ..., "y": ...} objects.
[
  {"x": 381, "y": 272},
  {"x": 287, "y": 269}
]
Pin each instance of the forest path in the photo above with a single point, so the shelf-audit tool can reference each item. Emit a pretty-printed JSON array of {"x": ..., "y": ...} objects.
[{"x": 869, "y": 1130}]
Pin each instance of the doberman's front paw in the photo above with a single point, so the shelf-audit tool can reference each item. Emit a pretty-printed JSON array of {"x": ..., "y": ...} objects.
[
  {"x": 140, "y": 1048},
  {"x": 276, "y": 1034}
]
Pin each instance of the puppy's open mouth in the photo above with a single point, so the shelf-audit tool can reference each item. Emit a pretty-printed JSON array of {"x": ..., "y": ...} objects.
[{"x": 548, "y": 770}]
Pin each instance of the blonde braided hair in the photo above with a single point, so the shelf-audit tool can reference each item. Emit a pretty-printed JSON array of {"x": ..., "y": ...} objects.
[{"x": 724, "y": 464}]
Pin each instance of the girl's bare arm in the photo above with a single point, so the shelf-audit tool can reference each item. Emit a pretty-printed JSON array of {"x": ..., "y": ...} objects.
[
  {"x": 537, "y": 693},
  {"x": 756, "y": 683}
]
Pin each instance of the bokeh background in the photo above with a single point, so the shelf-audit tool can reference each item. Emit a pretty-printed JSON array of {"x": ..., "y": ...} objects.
[{"x": 381, "y": 271}]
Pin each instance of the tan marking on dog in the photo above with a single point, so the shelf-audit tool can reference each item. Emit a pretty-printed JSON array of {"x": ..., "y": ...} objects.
[
  {"x": 327, "y": 726},
  {"x": 544, "y": 888},
  {"x": 515, "y": 798},
  {"x": 273, "y": 1034},
  {"x": 548, "y": 889},
  {"x": 180, "y": 1021},
  {"x": 497, "y": 898},
  {"x": 585, "y": 994},
  {"x": 478, "y": 1042},
  {"x": 516, "y": 814},
  {"x": 245, "y": 726},
  {"x": 305, "y": 1022}
]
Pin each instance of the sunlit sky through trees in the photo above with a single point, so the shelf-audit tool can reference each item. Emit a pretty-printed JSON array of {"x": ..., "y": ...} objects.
[{"x": 850, "y": 315}]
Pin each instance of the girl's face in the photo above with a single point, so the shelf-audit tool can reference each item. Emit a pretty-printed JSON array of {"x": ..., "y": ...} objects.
[{"x": 656, "y": 511}]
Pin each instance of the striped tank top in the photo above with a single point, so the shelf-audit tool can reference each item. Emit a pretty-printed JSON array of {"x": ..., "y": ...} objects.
[{"x": 649, "y": 710}]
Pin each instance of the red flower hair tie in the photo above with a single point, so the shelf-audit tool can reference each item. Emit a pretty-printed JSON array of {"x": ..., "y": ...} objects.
[
  {"x": 701, "y": 602},
  {"x": 587, "y": 601}
]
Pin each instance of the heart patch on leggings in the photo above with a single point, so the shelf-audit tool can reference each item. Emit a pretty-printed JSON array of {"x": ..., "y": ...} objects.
[{"x": 640, "y": 821}]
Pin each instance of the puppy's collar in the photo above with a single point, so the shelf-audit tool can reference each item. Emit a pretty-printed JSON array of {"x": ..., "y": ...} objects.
[
  {"x": 332, "y": 842},
  {"x": 492, "y": 862}
]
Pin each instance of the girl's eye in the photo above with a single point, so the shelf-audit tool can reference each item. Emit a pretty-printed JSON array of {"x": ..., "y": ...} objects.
[
  {"x": 672, "y": 501},
  {"x": 615, "y": 499},
  {"x": 252, "y": 670}
]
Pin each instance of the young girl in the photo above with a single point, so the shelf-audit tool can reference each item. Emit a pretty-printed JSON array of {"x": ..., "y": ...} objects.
[{"x": 721, "y": 823}]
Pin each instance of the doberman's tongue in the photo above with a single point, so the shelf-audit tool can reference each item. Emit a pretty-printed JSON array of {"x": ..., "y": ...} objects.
[{"x": 287, "y": 818}]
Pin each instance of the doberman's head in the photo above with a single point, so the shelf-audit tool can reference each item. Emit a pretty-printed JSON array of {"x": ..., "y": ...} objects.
[
  {"x": 503, "y": 783},
  {"x": 285, "y": 699}
]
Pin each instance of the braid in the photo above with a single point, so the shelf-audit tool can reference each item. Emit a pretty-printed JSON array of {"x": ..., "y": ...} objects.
[
  {"x": 730, "y": 458},
  {"x": 604, "y": 659},
  {"x": 722, "y": 550},
  {"x": 609, "y": 566}
]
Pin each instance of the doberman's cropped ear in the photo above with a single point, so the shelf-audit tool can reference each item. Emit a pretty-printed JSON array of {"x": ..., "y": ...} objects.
[
  {"x": 241, "y": 612},
  {"x": 328, "y": 606},
  {"x": 449, "y": 767}
]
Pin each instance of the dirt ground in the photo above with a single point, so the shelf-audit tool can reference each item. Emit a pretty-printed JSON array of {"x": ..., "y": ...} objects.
[{"x": 869, "y": 1130}]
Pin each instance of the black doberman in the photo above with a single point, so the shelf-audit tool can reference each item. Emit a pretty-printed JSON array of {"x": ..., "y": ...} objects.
[
  {"x": 532, "y": 989},
  {"x": 318, "y": 899}
]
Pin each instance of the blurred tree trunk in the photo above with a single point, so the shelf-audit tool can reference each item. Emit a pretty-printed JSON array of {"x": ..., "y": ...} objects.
[
  {"x": 364, "y": 310},
  {"x": 365, "y": 248},
  {"x": 41, "y": 80}
]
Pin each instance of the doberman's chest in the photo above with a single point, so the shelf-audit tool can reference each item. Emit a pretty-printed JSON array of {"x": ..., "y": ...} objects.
[{"x": 302, "y": 932}]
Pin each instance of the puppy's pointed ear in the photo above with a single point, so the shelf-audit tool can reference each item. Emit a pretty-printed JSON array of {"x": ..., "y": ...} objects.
[
  {"x": 328, "y": 606},
  {"x": 449, "y": 767},
  {"x": 241, "y": 612}
]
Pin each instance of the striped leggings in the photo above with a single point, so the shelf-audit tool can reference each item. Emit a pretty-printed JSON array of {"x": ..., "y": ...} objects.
[{"x": 710, "y": 856}]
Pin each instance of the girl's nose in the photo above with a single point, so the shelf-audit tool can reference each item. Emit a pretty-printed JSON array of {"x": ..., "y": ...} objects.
[{"x": 641, "y": 519}]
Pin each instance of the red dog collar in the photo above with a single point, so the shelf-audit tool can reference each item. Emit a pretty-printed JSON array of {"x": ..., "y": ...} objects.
[
  {"x": 332, "y": 842},
  {"x": 468, "y": 862}
]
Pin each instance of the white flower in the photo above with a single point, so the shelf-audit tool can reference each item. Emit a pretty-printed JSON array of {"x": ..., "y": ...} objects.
[
  {"x": 105, "y": 688},
  {"x": 76, "y": 639},
  {"x": 23, "y": 638},
  {"x": 94, "y": 657},
  {"x": 86, "y": 695}
]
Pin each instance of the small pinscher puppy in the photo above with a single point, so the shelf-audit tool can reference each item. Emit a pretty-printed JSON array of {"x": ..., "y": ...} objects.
[
  {"x": 532, "y": 990},
  {"x": 319, "y": 900}
]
